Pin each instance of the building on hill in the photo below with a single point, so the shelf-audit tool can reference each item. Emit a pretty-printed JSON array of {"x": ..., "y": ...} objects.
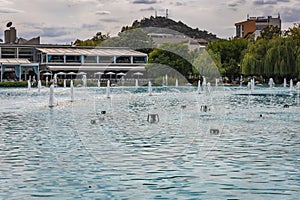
[
  {"x": 161, "y": 38},
  {"x": 254, "y": 25}
]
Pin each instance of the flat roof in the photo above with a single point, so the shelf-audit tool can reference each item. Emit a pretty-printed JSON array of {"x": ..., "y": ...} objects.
[
  {"x": 91, "y": 51},
  {"x": 14, "y": 61},
  {"x": 93, "y": 68}
]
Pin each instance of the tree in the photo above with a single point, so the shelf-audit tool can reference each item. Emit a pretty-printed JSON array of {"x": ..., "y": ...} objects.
[
  {"x": 94, "y": 41},
  {"x": 227, "y": 55},
  {"x": 205, "y": 65},
  {"x": 136, "y": 39},
  {"x": 174, "y": 55},
  {"x": 270, "y": 32}
]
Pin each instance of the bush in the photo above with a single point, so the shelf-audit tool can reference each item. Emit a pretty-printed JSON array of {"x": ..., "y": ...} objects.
[{"x": 14, "y": 84}]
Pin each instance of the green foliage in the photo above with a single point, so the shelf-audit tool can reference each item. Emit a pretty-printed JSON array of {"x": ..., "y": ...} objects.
[
  {"x": 14, "y": 84},
  {"x": 276, "y": 57},
  {"x": 270, "y": 32},
  {"x": 166, "y": 23},
  {"x": 134, "y": 38},
  {"x": 94, "y": 41},
  {"x": 174, "y": 56},
  {"x": 227, "y": 55},
  {"x": 205, "y": 65}
]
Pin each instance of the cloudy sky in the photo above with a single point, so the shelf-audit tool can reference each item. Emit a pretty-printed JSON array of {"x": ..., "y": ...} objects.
[{"x": 63, "y": 21}]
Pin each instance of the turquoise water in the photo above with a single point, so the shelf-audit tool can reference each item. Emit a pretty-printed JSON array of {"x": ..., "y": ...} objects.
[{"x": 74, "y": 151}]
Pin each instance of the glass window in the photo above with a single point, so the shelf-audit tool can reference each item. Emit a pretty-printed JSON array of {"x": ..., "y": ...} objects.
[
  {"x": 55, "y": 58},
  {"x": 25, "y": 51},
  {"x": 139, "y": 59},
  {"x": 73, "y": 59},
  {"x": 123, "y": 59},
  {"x": 106, "y": 59},
  {"x": 11, "y": 52},
  {"x": 90, "y": 59}
]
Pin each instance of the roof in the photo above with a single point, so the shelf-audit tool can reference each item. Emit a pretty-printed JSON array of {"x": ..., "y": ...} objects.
[
  {"x": 91, "y": 51},
  {"x": 92, "y": 68},
  {"x": 14, "y": 61}
]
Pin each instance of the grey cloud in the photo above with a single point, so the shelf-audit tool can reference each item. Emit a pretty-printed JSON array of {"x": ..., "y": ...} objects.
[
  {"x": 54, "y": 31},
  {"x": 145, "y": 1},
  {"x": 102, "y": 12},
  {"x": 109, "y": 20},
  {"x": 178, "y": 3},
  {"x": 9, "y": 10},
  {"x": 291, "y": 15},
  {"x": 268, "y": 2},
  {"x": 148, "y": 9},
  {"x": 90, "y": 26},
  {"x": 233, "y": 5}
]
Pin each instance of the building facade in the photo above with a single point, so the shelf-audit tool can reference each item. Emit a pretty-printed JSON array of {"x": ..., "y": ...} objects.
[
  {"x": 254, "y": 25},
  {"x": 19, "y": 62}
]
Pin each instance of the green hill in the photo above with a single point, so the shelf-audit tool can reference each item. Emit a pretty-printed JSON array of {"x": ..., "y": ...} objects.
[{"x": 166, "y": 23}]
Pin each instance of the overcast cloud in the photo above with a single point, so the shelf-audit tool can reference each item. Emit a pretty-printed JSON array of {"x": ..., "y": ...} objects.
[{"x": 64, "y": 21}]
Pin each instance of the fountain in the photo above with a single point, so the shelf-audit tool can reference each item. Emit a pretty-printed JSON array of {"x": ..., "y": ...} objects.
[
  {"x": 51, "y": 96},
  {"x": 298, "y": 85},
  {"x": 65, "y": 83},
  {"x": 208, "y": 87},
  {"x": 47, "y": 81},
  {"x": 291, "y": 85},
  {"x": 241, "y": 81},
  {"x": 84, "y": 81},
  {"x": 217, "y": 82},
  {"x": 204, "y": 83},
  {"x": 108, "y": 89},
  {"x": 98, "y": 84},
  {"x": 271, "y": 83},
  {"x": 176, "y": 82},
  {"x": 150, "y": 88},
  {"x": 55, "y": 80},
  {"x": 153, "y": 118},
  {"x": 166, "y": 79},
  {"x": 199, "y": 87},
  {"x": 136, "y": 83},
  {"x": 28, "y": 85},
  {"x": 72, "y": 90},
  {"x": 284, "y": 82},
  {"x": 39, "y": 85},
  {"x": 252, "y": 84},
  {"x": 249, "y": 86},
  {"x": 149, "y": 142}
]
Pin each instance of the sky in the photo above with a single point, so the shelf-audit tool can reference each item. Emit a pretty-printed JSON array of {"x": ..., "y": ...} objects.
[{"x": 64, "y": 21}]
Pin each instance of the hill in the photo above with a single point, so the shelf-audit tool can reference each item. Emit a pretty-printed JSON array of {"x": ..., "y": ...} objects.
[{"x": 166, "y": 23}]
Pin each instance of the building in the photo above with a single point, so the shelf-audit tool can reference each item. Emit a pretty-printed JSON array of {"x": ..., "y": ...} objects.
[
  {"x": 18, "y": 62},
  {"x": 161, "y": 38},
  {"x": 21, "y": 61},
  {"x": 254, "y": 25}
]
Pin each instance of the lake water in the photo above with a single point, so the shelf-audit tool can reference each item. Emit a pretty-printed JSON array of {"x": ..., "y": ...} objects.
[{"x": 104, "y": 148}]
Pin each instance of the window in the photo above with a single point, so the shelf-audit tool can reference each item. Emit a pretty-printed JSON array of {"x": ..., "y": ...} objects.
[
  {"x": 123, "y": 59},
  {"x": 26, "y": 53},
  {"x": 9, "y": 52},
  {"x": 43, "y": 58},
  {"x": 73, "y": 59},
  {"x": 90, "y": 59},
  {"x": 106, "y": 59},
  {"x": 139, "y": 59},
  {"x": 55, "y": 58}
]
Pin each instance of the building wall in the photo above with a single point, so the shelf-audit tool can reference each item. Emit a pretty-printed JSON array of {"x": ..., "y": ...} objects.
[
  {"x": 255, "y": 25},
  {"x": 245, "y": 28}
]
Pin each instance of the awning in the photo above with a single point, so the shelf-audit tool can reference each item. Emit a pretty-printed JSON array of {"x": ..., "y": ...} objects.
[
  {"x": 95, "y": 68},
  {"x": 14, "y": 61},
  {"x": 18, "y": 64},
  {"x": 91, "y": 51}
]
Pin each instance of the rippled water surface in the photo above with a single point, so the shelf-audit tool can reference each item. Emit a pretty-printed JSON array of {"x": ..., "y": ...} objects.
[{"x": 98, "y": 147}]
